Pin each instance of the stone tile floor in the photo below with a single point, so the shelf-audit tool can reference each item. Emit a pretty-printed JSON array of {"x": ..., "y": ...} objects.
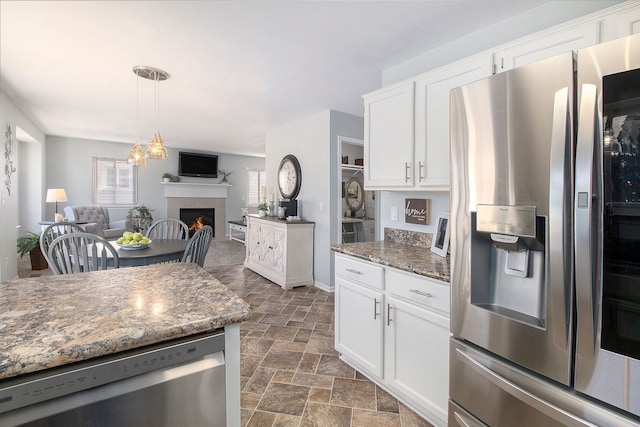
[{"x": 291, "y": 374}]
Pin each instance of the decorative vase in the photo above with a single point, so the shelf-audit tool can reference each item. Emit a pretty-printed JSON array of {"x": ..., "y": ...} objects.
[
  {"x": 282, "y": 212},
  {"x": 165, "y": 179},
  {"x": 262, "y": 214}
]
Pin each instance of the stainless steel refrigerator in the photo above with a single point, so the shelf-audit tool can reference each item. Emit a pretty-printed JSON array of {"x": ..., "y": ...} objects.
[{"x": 545, "y": 248}]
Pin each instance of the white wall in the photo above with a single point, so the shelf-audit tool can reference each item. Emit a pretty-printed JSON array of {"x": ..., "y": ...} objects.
[
  {"x": 313, "y": 140},
  {"x": 71, "y": 158},
  {"x": 9, "y": 203}
]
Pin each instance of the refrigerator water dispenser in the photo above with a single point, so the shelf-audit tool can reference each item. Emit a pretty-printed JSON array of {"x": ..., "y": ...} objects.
[{"x": 508, "y": 262}]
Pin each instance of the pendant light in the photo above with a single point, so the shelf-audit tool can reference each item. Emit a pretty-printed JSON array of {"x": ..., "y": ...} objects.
[
  {"x": 156, "y": 148},
  {"x": 136, "y": 156}
]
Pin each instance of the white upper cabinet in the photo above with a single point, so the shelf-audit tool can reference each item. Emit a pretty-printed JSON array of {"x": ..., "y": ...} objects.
[
  {"x": 432, "y": 119},
  {"x": 388, "y": 136},
  {"x": 622, "y": 24},
  {"x": 406, "y": 135},
  {"x": 536, "y": 48}
]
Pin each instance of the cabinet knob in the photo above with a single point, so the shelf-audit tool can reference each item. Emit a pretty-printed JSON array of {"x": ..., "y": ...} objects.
[{"x": 424, "y": 294}]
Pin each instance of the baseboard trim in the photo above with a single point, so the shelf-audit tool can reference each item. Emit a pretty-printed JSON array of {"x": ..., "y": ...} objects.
[{"x": 324, "y": 286}]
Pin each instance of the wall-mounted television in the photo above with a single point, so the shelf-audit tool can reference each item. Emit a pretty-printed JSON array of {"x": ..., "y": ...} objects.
[{"x": 197, "y": 164}]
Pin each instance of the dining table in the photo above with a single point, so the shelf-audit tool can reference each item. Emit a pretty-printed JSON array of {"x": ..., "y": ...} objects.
[{"x": 158, "y": 251}]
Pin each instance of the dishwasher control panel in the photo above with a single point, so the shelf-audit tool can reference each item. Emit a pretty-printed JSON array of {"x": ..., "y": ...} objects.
[{"x": 58, "y": 382}]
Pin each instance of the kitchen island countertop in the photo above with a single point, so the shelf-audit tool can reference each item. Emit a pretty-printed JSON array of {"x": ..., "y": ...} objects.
[
  {"x": 51, "y": 321},
  {"x": 415, "y": 259}
]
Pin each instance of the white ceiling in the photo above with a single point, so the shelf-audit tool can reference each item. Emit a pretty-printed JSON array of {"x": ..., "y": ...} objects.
[{"x": 237, "y": 68}]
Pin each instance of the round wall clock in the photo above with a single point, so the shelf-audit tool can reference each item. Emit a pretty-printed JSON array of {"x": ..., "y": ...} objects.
[{"x": 289, "y": 177}]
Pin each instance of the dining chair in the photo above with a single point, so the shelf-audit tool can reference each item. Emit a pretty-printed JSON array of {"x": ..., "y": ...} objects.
[
  {"x": 198, "y": 246},
  {"x": 51, "y": 232},
  {"x": 168, "y": 229},
  {"x": 81, "y": 252}
]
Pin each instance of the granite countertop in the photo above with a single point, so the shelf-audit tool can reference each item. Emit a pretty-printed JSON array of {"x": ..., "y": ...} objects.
[
  {"x": 55, "y": 320},
  {"x": 408, "y": 251}
]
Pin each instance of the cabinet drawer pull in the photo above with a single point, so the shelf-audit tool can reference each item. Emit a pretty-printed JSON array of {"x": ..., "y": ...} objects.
[
  {"x": 420, "y": 167},
  {"x": 424, "y": 294},
  {"x": 351, "y": 270},
  {"x": 406, "y": 172},
  {"x": 388, "y": 314},
  {"x": 375, "y": 308}
]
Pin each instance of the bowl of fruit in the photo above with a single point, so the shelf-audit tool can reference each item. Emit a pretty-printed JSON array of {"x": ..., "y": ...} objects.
[{"x": 133, "y": 241}]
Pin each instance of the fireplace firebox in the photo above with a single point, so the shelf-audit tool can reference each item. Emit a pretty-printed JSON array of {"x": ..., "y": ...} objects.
[{"x": 195, "y": 218}]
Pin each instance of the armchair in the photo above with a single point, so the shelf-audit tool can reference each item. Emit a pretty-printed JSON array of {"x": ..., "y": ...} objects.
[{"x": 97, "y": 219}]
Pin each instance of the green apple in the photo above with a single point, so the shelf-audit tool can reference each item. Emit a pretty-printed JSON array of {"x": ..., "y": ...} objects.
[
  {"x": 137, "y": 236},
  {"x": 127, "y": 235}
]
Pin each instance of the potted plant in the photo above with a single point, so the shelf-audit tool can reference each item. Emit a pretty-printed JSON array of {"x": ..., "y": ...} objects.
[
  {"x": 262, "y": 209},
  {"x": 140, "y": 217},
  {"x": 166, "y": 177},
  {"x": 29, "y": 243}
]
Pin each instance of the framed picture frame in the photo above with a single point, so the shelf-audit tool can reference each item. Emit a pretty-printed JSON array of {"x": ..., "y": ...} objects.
[{"x": 440, "y": 241}]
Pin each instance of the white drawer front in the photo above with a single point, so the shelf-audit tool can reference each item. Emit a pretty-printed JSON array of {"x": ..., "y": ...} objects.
[
  {"x": 418, "y": 289},
  {"x": 362, "y": 272}
]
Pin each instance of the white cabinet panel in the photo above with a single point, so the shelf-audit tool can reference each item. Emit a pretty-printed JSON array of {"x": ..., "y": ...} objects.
[
  {"x": 417, "y": 355},
  {"x": 358, "y": 333},
  {"x": 388, "y": 134},
  {"x": 547, "y": 45},
  {"x": 432, "y": 119}
]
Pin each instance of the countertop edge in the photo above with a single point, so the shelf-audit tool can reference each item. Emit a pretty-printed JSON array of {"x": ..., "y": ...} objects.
[{"x": 358, "y": 250}]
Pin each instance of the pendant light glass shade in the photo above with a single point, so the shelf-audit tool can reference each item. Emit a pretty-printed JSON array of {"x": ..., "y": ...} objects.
[
  {"x": 156, "y": 148},
  {"x": 136, "y": 156}
]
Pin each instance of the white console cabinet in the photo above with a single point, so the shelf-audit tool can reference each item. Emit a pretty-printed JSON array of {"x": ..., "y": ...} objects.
[
  {"x": 393, "y": 326},
  {"x": 281, "y": 251}
]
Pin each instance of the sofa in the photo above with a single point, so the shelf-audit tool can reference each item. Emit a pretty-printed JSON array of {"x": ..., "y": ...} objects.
[{"x": 97, "y": 221}]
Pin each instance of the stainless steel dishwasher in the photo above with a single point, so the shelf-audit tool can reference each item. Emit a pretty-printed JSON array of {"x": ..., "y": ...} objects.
[{"x": 180, "y": 382}]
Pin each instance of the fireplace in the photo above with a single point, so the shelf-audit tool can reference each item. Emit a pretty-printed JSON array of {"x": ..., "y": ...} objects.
[{"x": 195, "y": 218}]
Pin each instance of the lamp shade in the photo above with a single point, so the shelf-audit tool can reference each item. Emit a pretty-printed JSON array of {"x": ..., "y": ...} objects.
[{"x": 56, "y": 195}]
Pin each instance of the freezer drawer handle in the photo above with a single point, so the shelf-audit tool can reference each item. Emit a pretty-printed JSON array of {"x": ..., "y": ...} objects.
[
  {"x": 463, "y": 421},
  {"x": 550, "y": 410},
  {"x": 424, "y": 294},
  {"x": 351, "y": 270}
]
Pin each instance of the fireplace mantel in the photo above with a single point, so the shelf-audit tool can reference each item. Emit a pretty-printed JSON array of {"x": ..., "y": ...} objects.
[{"x": 195, "y": 189}]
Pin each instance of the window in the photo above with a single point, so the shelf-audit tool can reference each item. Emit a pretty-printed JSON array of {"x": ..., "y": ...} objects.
[
  {"x": 114, "y": 182},
  {"x": 256, "y": 187}
]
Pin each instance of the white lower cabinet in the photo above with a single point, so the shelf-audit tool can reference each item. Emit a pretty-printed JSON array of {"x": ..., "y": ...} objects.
[
  {"x": 359, "y": 325},
  {"x": 393, "y": 326}
]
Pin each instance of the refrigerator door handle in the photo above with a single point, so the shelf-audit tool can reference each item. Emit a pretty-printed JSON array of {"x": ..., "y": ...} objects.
[
  {"x": 560, "y": 254},
  {"x": 583, "y": 213},
  {"x": 547, "y": 408}
]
